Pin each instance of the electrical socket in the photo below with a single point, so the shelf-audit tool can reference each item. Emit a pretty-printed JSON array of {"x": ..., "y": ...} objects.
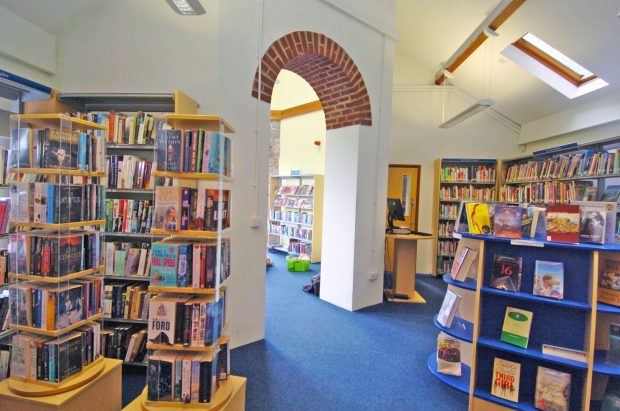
[
  {"x": 256, "y": 222},
  {"x": 373, "y": 275}
]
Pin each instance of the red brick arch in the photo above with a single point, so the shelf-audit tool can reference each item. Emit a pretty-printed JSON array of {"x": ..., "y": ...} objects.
[{"x": 330, "y": 71}]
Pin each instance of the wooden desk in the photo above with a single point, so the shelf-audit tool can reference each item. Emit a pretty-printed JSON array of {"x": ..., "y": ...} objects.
[
  {"x": 101, "y": 394},
  {"x": 401, "y": 252}
]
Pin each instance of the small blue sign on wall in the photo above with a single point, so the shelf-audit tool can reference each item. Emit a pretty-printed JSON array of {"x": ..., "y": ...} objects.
[{"x": 295, "y": 172}]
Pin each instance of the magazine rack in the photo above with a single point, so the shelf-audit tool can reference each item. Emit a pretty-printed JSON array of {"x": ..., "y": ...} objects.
[
  {"x": 56, "y": 165},
  {"x": 578, "y": 321},
  {"x": 178, "y": 222}
]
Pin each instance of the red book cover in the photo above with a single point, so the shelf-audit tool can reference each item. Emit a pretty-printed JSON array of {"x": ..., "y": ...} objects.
[
  {"x": 203, "y": 264},
  {"x": 111, "y": 127},
  {"x": 563, "y": 223}
]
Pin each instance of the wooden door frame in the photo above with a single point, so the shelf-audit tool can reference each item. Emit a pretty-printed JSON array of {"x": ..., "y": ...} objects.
[{"x": 417, "y": 194}]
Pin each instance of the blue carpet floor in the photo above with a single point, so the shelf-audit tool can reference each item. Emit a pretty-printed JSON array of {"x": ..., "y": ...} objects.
[{"x": 316, "y": 356}]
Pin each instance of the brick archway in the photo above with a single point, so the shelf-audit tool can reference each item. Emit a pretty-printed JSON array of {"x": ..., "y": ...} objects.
[{"x": 330, "y": 71}]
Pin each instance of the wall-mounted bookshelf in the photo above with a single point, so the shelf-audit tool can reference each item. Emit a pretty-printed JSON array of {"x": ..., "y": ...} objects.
[
  {"x": 562, "y": 174},
  {"x": 296, "y": 214},
  {"x": 456, "y": 180},
  {"x": 578, "y": 321}
]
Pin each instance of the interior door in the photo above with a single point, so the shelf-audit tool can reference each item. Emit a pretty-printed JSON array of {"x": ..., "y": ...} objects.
[{"x": 404, "y": 183}]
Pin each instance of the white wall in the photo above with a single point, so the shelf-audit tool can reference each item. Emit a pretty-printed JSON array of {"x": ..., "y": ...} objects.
[
  {"x": 291, "y": 90},
  {"x": 297, "y": 148}
]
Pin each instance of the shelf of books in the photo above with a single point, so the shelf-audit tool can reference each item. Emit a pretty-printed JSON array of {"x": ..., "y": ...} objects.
[
  {"x": 564, "y": 174},
  {"x": 296, "y": 214},
  {"x": 186, "y": 295},
  {"x": 531, "y": 320},
  {"x": 55, "y": 252},
  {"x": 456, "y": 180}
]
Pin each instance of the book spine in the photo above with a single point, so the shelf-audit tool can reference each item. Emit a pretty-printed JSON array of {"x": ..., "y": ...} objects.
[{"x": 187, "y": 325}]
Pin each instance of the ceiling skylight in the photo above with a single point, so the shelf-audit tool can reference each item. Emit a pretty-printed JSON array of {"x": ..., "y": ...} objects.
[{"x": 552, "y": 66}]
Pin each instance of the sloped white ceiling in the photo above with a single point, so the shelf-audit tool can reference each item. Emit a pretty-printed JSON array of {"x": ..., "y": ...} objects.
[{"x": 586, "y": 31}]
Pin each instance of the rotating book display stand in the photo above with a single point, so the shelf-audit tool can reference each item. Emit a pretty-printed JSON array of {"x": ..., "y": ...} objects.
[
  {"x": 56, "y": 165},
  {"x": 189, "y": 361}
]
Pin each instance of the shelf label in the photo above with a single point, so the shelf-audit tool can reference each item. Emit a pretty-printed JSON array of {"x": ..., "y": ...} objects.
[
  {"x": 295, "y": 172},
  {"x": 457, "y": 235},
  {"x": 528, "y": 243}
]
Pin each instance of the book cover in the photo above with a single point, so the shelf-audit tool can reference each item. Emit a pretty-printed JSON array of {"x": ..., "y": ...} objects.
[
  {"x": 611, "y": 401},
  {"x": 611, "y": 194},
  {"x": 539, "y": 223},
  {"x": 506, "y": 274},
  {"x": 162, "y": 321},
  {"x": 613, "y": 354},
  {"x": 527, "y": 216},
  {"x": 20, "y": 299},
  {"x": 506, "y": 377},
  {"x": 563, "y": 223},
  {"x": 70, "y": 359},
  {"x": 206, "y": 378},
  {"x": 448, "y": 355},
  {"x": 448, "y": 308},
  {"x": 478, "y": 219},
  {"x": 609, "y": 281},
  {"x": 552, "y": 390},
  {"x": 507, "y": 222},
  {"x": 463, "y": 260},
  {"x": 160, "y": 376},
  {"x": 131, "y": 261},
  {"x": 167, "y": 208},
  {"x": 592, "y": 222},
  {"x": 60, "y": 150},
  {"x": 69, "y": 309},
  {"x": 169, "y": 150},
  {"x": 164, "y": 261},
  {"x": 549, "y": 279},
  {"x": 516, "y": 328}
]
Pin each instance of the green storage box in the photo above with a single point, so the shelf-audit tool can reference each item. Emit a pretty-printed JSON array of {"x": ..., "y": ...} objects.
[{"x": 296, "y": 265}]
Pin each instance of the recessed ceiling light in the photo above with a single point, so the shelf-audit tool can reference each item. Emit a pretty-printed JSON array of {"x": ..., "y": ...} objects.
[{"x": 187, "y": 7}]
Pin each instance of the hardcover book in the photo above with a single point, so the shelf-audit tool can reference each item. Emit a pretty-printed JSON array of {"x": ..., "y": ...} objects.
[
  {"x": 463, "y": 260},
  {"x": 506, "y": 377},
  {"x": 506, "y": 274},
  {"x": 169, "y": 150},
  {"x": 609, "y": 282},
  {"x": 563, "y": 223},
  {"x": 516, "y": 328},
  {"x": 549, "y": 279},
  {"x": 552, "y": 390},
  {"x": 167, "y": 208},
  {"x": 448, "y": 355},
  {"x": 507, "y": 221},
  {"x": 478, "y": 219},
  {"x": 448, "y": 308},
  {"x": 164, "y": 261}
]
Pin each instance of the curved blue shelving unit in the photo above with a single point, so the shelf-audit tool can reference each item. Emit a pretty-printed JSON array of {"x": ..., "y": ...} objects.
[
  {"x": 606, "y": 308},
  {"x": 601, "y": 367},
  {"x": 468, "y": 284},
  {"x": 581, "y": 246},
  {"x": 531, "y": 297},
  {"x": 486, "y": 395},
  {"x": 460, "y": 328},
  {"x": 459, "y": 383},
  {"x": 529, "y": 352}
]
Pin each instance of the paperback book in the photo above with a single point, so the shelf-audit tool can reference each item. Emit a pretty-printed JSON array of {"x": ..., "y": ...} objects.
[
  {"x": 613, "y": 354},
  {"x": 448, "y": 355},
  {"x": 563, "y": 223},
  {"x": 463, "y": 260},
  {"x": 506, "y": 274},
  {"x": 552, "y": 390},
  {"x": 597, "y": 222},
  {"x": 549, "y": 279},
  {"x": 507, "y": 221},
  {"x": 478, "y": 219},
  {"x": 169, "y": 150},
  {"x": 448, "y": 308},
  {"x": 506, "y": 377},
  {"x": 516, "y": 328},
  {"x": 609, "y": 281}
]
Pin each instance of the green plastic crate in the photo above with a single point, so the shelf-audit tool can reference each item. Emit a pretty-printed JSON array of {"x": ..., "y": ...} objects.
[{"x": 297, "y": 265}]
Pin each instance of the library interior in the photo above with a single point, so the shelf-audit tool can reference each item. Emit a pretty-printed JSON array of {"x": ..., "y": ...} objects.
[{"x": 309, "y": 205}]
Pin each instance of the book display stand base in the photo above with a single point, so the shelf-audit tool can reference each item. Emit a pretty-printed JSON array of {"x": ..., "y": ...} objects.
[
  {"x": 99, "y": 388},
  {"x": 229, "y": 397},
  {"x": 32, "y": 388}
]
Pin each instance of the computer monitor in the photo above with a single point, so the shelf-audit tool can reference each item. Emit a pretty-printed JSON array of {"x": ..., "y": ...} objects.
[{"x": 395, "y": 212}]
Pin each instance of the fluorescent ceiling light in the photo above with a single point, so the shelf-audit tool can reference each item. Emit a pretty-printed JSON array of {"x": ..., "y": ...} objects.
[
  {"x": 468, "y": 112},
  {"x": 187, "y": 7}
]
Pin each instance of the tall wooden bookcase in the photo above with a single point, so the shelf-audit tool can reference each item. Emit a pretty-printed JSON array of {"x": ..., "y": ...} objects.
[
  {"x": 456, "y": 180},
  {"x": 296, "y": 214},
  {"x": 578, "y": 321},
  {"x": 77, "y": 233}
]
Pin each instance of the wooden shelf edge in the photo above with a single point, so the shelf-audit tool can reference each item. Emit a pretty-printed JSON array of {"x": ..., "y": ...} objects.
[
  {"x": 190, "y": 348},
  {"x": 191, "y": 176},
  {"x": 59, "y": 226},
  {"x": 183, "y": 290},
  {"x": 55, "y": 280},
  {"x": 57, "y": 171},
  {"x": 78, "y": 122},
  {"x": 55, "y": 333}
]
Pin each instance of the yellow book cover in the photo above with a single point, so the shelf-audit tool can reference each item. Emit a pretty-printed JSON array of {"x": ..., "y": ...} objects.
[
  {"x": 478, "y": 218},
  {"x": 517, "y": 325},
  {"x": 609, "y": 282}
]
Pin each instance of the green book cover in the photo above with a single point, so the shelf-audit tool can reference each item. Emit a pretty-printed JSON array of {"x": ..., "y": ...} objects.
[
  {"x": 119, "y": 262},
  {"x": 517, "y": 325}
]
